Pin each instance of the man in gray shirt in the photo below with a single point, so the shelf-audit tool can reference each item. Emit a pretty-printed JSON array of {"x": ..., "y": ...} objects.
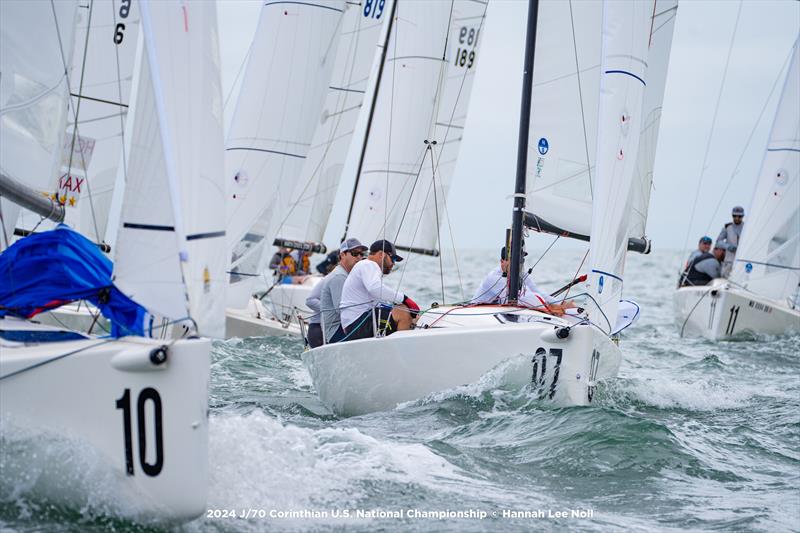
[
  {"x": 703, "y": 268},
  {"x": 729, "y": 239},
  {"x": 350, "y": 252}
]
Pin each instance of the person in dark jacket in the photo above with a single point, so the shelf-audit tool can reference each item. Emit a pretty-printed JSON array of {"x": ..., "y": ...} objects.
[{"x": 703, "y": 268}]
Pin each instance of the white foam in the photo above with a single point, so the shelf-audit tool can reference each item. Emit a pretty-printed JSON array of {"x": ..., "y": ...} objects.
[{"x": 700, "y": 395}]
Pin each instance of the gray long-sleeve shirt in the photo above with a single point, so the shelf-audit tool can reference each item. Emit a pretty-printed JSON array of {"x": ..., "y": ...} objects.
[
  {"x": 709, "y": 266},
  {"x": 313, "y": 303},
  {"x": 329, "y": 300}
]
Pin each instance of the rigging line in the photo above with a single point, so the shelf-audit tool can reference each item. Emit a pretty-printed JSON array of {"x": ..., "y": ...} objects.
[
  {"x": 75, "y": 132},
  {"x": 389, "y": 143},
  {"x": 447, "y": 33},
  {"x": 436, "y": 210},
  {"x": 750, "y": 138},
  {"x": 566, "y": 293},
  {"x": 713, "y": 125},
  {"x": 545, "y": 253},
  {"x": 410, "y": 196},
  {"x": 580, "y": 97},
  {"x": 375, "y": 91}
]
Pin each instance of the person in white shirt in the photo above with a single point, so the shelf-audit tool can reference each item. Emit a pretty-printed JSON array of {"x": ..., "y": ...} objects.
[
  {"x": 363, "y": 290},
  {"x": 494, "y": 290}
]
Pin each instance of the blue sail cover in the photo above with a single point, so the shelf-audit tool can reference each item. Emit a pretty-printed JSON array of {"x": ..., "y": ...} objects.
[{"x": 49, "y": 269}]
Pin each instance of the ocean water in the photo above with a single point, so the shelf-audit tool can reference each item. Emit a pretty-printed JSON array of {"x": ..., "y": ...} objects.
[{"x": 692, "y": 436}]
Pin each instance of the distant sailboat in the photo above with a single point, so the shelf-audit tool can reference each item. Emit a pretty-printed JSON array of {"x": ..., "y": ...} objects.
[
  {"x": 762, "y": 295},
  {"x": 563, "y": 358}
]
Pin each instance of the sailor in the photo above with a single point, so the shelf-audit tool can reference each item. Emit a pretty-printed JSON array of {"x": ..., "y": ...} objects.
[
  {"x": 494, "y": 290},
  {"x": 327, "y": 266},
  {"x": 363, "y": 290},
  {"x": 292, "y": 267},
  {"x": 314, "y": 333},
  {"x": 729, "y": 239},
  {"x": 351, "y": 251},
  {"x": 703, "y": 247},
  {"x": 703, "y": 268},
  {"x": 277, "y": 259}
]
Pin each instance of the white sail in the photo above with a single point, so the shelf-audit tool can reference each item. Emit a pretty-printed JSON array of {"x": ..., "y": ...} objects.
[
  {"x": 100, "y": 81},
  {"x": 768, "y": 257},
  {"x": 36, "y": 40},
  {"x": 565, "y": 112},
  {"x": 626, "y": 36},
  {"x": 418, "y": 123},
  {"x": 279, "y": 105},
  {"x": 172, "y": 229},
  {"x": 312, "y": 200}
]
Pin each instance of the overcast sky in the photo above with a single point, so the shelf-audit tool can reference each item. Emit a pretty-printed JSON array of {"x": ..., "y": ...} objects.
[{"x": 484, "y": 176}]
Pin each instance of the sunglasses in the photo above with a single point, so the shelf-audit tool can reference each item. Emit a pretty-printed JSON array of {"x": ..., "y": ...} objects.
[{"x": 357, "y": 254}]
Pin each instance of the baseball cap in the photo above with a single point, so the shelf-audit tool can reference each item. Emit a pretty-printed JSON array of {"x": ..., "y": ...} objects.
[
  {"x": 738, "y": 211},
  {"x": 350, "y": 244},
  {"x": 706, "y": 239},
  {"x": 386, "y": 246},
  {"x": 503, "y": 253}
]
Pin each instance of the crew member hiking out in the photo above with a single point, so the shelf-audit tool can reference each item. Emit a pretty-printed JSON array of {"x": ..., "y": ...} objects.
[
  {"x": 351, "y": 251},
  {"x": 703, "y": 268},
  {"x": 363, "y": 290}
]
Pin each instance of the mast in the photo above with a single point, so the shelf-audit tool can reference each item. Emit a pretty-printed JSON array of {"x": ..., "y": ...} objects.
[
  {"x": 371, "y": 114},
  {"x": 522, "y": 153}
]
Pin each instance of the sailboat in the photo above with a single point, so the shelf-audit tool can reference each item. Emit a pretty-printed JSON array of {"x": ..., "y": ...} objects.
[
  {"x": 762, "y": 295},
  {"x": 575, "y": 74},
  {"x": 134, "y": 408},
  {"x": 285, "y": 85}
]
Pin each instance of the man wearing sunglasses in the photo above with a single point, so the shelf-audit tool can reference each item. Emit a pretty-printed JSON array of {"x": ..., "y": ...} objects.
[
  {"x": 364, "y": 290},
  {"x": 351, "y": 251},
  {"x": 728, "y": 239}
]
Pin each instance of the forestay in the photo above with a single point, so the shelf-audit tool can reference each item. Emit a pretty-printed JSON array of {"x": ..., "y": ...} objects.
[
  {"x": 36, "y": 40},
  {"x": 172, "y": 229},
  {"x": 768, "y": 257},
  {"x": 565, "y": 113},
  {"x": 100, "y": 81},
  {"x": 305, "y": 218},
  {"x": 417, "y": 127},
  {"x": 282, "y": 93},
  {"x": 624, "y": 75}
]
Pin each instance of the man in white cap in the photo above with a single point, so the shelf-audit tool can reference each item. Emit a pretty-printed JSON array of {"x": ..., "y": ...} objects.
[
  {"x": 351, "y": 251},
  {"x": 728, "y": 239}
]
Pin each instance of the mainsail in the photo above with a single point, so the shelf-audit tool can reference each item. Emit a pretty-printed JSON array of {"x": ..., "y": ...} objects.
[
  {"x": 768, "y": 257},
  {"x": 33, "y": 95},
  {"x": 279, "y": 106},
  {"x": 172, "y": 228},
  {"x": 306, "y": 217},
  {"x": 418, "y": 122},
  {"x": 564, "y": 121},
  {"x": 624, "y": 76}
]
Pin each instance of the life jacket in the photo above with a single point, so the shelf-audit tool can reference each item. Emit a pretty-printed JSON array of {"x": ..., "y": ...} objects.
[
  {"x": 288, "y": 266},
  {"x": 306, "y": 263},
  {"x": 693, "y": 277}
]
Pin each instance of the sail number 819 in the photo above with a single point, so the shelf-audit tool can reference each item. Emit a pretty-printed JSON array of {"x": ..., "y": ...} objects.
[{"x": 374, "y": 8}]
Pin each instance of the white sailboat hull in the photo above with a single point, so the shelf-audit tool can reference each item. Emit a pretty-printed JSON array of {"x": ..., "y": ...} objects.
[
  {"x": 363, "y": 376},
  {"x": 141, "y": 427},
  {"x": 277, "y": 315},
  {"x": 721, "y": 311},
  {"x": 256, "y": 321}
]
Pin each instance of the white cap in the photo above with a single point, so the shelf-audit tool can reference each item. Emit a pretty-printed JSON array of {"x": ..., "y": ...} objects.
[{"x": 350, "y": 244}]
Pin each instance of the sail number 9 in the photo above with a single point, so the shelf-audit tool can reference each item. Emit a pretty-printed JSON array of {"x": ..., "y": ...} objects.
[
  {"x": 374, "y": 8},
  {"x": 119, "y": 30},
  {"x": 147, "y": 395},
  {"x": 468, "y": 39}
]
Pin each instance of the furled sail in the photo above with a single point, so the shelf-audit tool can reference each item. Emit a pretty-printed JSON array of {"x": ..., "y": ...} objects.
[
  {"x": 33, "y": 95},
  {"x": 279, "y": 106},
  {"x": 305, "y": 218},
  {"x": 565, "y": 113},
  {"x": 172, "y": 228},
  {"x": 419, "y": 118},
  {"x": 768, "y": 257},
  {"x": 100, "y": 83},
  {"x": 624, "y": 75}
]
